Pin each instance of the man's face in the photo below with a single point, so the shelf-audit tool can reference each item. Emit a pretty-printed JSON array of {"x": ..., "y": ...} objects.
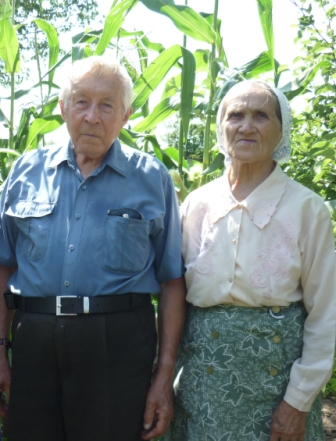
[{"x": 95, "y": 114}]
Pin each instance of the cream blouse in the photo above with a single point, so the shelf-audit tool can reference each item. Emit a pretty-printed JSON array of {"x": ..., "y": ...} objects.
[{"x": 274, "y": 248}]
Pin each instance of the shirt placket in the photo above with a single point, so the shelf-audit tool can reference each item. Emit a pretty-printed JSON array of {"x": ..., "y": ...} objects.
[
  {"x": 74, "y": 237},
  {"x": 236, "y": 219}
]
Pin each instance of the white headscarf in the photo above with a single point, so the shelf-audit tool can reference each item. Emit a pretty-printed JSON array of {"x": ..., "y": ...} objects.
[{"x": 282, "y": 150}]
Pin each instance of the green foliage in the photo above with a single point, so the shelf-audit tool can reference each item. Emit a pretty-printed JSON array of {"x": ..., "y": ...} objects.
[
  {"x": 330, "y": 388},
  {"x": 314, "y": 131}
]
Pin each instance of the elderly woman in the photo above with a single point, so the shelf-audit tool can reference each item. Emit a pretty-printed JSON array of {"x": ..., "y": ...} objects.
[{"x": 259, "y": 340}]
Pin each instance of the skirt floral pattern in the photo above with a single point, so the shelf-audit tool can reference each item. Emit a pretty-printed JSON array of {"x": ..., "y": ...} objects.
[{"x": 232, "y": 371}]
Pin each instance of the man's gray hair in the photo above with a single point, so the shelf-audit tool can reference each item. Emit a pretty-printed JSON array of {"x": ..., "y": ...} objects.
[{"x": 98, "y": 65}]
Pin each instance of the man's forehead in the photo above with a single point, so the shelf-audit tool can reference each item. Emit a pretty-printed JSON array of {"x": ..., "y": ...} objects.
[{"x": 109, "y": 85}]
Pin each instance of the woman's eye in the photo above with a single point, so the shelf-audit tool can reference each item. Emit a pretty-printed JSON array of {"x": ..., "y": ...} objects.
[{"x": 262, "y": 115}]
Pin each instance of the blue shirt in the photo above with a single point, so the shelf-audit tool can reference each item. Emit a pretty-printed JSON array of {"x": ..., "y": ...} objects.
[{"x": 115, "y": 232}]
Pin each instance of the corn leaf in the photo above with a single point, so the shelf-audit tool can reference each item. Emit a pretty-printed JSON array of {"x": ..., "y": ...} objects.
[
  {"x": 9, "y": 45},
  {"x": 154, "y": 74},
  {"x": 163, "y": 110},
  {"x": 265, "y": 14},
  {"x": 41, "y": 126},
  {"x": 187, "y": 92},
  {"x": 53, "y": 44},
  {"x": 259, "y": 65},
  {"x": 296, "y": 87},
  {"x": 185, "y": 19},
  {"x": 113, "y": 22}
]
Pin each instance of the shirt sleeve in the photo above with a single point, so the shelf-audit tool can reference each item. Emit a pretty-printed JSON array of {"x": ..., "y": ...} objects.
[
  {"x": 8, "y": 230},
  {"x": 311, "y": 372},
  {"x": 168, "y": 240}
]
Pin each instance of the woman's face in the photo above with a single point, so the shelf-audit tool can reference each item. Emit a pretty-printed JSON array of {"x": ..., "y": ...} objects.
[{"x": 250, "y": 126}]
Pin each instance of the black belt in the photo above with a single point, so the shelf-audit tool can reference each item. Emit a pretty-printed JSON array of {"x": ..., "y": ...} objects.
[{"x": 73, "y": 305}]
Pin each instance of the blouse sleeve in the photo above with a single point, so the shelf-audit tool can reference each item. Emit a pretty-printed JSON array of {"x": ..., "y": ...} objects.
[{"x": 318, "y": 279}]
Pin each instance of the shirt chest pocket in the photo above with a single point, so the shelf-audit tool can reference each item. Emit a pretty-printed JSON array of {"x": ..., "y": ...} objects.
[
  {"x": 126, "y": 244},
  {"x": 33, "y": 220}
]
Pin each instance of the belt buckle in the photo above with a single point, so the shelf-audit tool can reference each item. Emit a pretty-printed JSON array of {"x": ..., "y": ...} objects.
[{"x": 59, "y": 305}]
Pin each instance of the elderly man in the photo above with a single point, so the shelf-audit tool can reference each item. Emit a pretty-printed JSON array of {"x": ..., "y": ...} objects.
[{"x": 88, "y": 232}]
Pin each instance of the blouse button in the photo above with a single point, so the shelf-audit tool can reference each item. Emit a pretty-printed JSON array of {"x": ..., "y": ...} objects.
[
  {"x": 276, "y": 339},
  {"x": 210, "y": 370},
  {"x": 67, "y": 283},
  {"x": 77, "y": 216},
  {"x": 214, "y": 334},
  {"x": 230, "y": 280},
  {"x": 130, "y": 227},
  {"x": 84, "y": 187},
  {"x": 234, "y": 240},
  {"x": 273, "y": 372},
  {"x": 276, "y": 309}
]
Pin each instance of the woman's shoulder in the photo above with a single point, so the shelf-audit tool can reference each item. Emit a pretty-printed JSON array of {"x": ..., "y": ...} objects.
[
  {"x": 199, "y": 198},
  {"x": 302, "y": 197}
]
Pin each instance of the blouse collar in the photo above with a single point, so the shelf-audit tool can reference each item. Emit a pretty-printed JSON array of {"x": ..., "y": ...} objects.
[{"x": 261, "y": 204}]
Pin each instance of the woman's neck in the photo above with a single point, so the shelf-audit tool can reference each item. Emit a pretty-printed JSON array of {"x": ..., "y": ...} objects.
[{"x": 244, "y": 178}]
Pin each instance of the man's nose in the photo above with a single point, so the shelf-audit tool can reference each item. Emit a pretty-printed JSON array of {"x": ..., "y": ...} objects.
[{"x": 92, "y": 115}]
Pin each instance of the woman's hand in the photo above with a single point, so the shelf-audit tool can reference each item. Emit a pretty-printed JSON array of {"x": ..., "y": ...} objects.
[{"x": 288, "y": 423}]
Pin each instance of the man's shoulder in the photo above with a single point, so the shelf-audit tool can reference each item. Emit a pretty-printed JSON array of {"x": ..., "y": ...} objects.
[
  {"x": 137, "y": 158},
  {"x": 38, "y": 156}
]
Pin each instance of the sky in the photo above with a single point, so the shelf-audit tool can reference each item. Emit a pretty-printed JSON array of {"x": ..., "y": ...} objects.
[{"x": 241, "y": 30}]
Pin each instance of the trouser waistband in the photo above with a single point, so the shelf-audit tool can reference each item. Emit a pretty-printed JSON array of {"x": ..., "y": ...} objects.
[{"x": 73, "y": 305}]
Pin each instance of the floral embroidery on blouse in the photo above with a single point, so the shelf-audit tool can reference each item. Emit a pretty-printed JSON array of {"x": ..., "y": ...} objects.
[
  {"x": 201, "y": 244},
  {"x": 273, "y": 263}
]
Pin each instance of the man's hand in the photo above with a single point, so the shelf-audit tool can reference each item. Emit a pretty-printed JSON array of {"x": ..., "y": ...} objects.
[
  {"x": 5, "y": 322},
  {"x": 159, "y": 409},
  {"x": 5, "y": 377},
  {"x": 288, "y": 423},
  {"x": 159, "y": 405}
]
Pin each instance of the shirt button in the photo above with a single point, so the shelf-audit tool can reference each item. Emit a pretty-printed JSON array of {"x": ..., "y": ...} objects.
[
  {"x": 210, "y": 370},
  {"x": 83, "y": 187},
  {"x": 239, "y": 206},
  {"x": 273, "y": 372},
  {"x": 71, "y": 247},
  {"x": 230, "y": 280},
  {"x": 276, "y": 339},
  {"x": 276, "y": 309},
  {"x": 67, "y": 283},
  {"x": 130, "y": 227},
  {"x": 234, "y": 240},
  {"x": 77, "y": 216},
  {"x": 214, "y": 334}
]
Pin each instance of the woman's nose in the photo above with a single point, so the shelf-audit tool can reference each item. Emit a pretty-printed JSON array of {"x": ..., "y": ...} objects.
[{"x": 247, "y": 124}]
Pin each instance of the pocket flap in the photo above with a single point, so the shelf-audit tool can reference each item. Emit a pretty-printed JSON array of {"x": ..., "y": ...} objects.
[{"x": 30, "y": 209}]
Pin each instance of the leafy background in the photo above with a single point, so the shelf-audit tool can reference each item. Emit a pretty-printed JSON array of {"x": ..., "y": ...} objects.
[{"x": 193, "y": 83}]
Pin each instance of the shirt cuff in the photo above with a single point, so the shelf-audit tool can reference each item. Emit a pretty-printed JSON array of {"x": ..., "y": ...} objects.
[{"x": 298, "y": 399}]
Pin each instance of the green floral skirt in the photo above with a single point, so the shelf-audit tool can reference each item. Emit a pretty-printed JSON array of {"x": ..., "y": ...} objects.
[{"x": 232, "y": 372}]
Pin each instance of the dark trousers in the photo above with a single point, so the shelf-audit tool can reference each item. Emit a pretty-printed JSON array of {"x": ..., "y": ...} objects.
[{"x": 81, "y": 378}]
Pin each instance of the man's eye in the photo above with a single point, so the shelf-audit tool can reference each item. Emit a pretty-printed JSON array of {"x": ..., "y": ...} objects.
[{"x": 235, "y": 115}]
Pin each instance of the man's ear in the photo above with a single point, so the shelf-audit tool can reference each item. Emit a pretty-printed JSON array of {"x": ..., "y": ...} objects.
[
  {"x": 127, "y": 115},
  {"x": 62, "y": 107}
]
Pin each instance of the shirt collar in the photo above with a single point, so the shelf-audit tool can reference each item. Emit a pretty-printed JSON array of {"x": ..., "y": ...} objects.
[
  {"x": 261, "y": 204},
  {"x": 114, "y": 158}
]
